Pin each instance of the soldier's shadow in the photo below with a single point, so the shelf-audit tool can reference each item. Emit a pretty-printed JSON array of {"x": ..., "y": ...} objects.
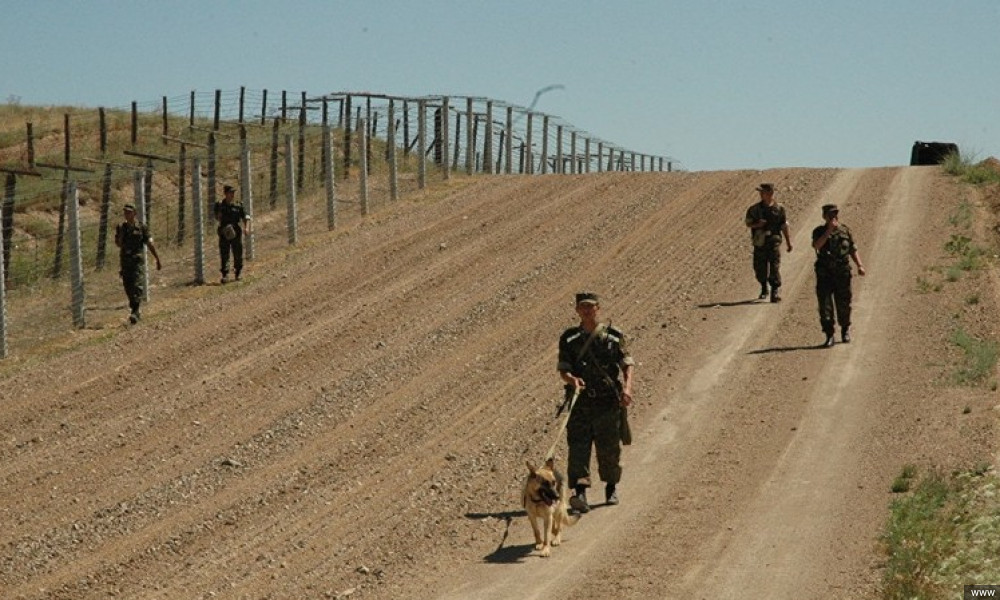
[
  {"x": 786, "y": 349},
  {"x": 732, "y": 303}
]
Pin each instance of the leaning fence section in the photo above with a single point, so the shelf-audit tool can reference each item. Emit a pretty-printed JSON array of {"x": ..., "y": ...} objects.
[{"x": 303, "y": 164}]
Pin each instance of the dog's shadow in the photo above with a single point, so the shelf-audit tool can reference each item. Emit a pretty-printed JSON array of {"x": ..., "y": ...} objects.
[{"x": 505, "y": 554}]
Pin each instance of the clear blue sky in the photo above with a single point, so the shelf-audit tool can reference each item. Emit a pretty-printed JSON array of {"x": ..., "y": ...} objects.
[{"x": 713, "y": 84}]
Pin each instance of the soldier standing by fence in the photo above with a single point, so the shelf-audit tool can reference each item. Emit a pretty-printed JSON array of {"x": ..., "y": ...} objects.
[
  {"x": 130, "y": 237},
  {"x": 233, "y": 224}
]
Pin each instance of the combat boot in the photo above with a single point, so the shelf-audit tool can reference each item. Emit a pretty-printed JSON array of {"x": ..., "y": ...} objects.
[
  {"x": 829, "y": 341},
  {"x": 763, "y": 292},
  {"x": 578, "y": 501},
  {"x": 845, "y": 335},
  {"x": 775, "y": 295},
  {"x": 610, "y": 494}
]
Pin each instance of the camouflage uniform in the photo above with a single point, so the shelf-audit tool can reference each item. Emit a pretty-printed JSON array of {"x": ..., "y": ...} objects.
[
  {"x": 833, "y": 277},
  {"x": 228, "y": 213},
  {"x": 131, "y": 239},
  {"x": 767, "y": 242},
  {"x": 596, "y": 417}
]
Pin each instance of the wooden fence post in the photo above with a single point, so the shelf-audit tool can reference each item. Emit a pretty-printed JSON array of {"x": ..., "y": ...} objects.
[
  {"x": 243, "y": 95},
  {"x": 76, "y": 258},
  {"x": 166, "y": 121},
  {"x": 529, "y": 160},
  {"x": 218, "y": 110},
  {"x": 263, "y": 108},
  {"x": 191, "y": 111},
  {"x": 135, "y": 124},
  {"x": 103, "y": 129}
]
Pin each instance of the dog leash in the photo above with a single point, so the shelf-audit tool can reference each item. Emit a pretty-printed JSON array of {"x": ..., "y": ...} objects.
[{"x": 565, "y": 421}]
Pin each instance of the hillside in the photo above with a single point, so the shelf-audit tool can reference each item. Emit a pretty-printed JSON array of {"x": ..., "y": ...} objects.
[{"x": 354, "y": 421}]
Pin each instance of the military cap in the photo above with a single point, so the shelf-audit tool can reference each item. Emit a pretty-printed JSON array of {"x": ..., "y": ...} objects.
[
  {"x": 587, "y": 298},
  {"x": 129, "y": 206},
  {"x": 765, "y": 187},
  {"x": 228, "y": 188},
  {"x": 830, "y": 208}
]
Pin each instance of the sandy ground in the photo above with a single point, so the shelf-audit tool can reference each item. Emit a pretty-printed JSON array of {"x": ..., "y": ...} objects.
[{"x": 353, "y": 422}]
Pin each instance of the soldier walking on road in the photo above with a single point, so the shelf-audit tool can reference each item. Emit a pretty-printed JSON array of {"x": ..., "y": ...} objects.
[
  {"x": 130, "y": 237},
  {"x": 767, "y": 222},
  {"x": 594, "y": 359},
  {"x": 834, "y": 246},
  {"x": 233, "y": 224}
]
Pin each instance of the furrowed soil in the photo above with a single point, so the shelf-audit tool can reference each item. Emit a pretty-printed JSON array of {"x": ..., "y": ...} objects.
[{"x": 354, "y": 421}]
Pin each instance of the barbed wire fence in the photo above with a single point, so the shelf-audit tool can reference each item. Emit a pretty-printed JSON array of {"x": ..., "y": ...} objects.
[{"x": 302, "y": 164}]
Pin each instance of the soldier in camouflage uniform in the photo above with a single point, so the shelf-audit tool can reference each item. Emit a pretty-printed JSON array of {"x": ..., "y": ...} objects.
[
  {"x": 835, "y": 248},
  {"x": 130, "y": 237},
  {"x": 767, "y": 222},
  {"x": 594, "y": 358},
  {"x": 233, "y": 224}
]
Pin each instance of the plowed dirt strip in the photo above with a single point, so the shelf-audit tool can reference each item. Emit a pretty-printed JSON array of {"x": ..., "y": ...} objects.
[{"x": 356, "y": 418}]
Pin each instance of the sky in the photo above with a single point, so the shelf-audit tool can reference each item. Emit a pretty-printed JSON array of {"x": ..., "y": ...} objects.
[{"x": 709, "y": 84}]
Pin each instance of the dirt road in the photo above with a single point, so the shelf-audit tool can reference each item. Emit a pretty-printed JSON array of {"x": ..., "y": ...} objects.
[{"x": 354, "y": 420}]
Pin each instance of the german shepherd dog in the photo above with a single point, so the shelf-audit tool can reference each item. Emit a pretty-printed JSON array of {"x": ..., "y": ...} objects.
[{"x": 545, "y": 501}]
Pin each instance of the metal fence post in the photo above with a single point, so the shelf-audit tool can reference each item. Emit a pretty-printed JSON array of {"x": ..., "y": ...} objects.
[
  {"x": 76, "y": 256},
  {"x": 199, "y": 223},
  {"x": 545, "y": 145},
  {"x": 140, "y": 213},
  {"x": 329, "y": 179},
  {"x": 363, "y": 160},
  {"x": 470, "y": 142},
  {"x": 509, "y": 150},
  {"x": 3, "y": 304},
  {"x": 246, "y": 194},
  {"x": 293, "y": 233},
  {"x": 422, "y": 143},
  {"x": 445, "y": 150},
  {"x": 488, "y": 140},
  {"x": 529, "y": 157},
  {"x": 390, "y": 141}
]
